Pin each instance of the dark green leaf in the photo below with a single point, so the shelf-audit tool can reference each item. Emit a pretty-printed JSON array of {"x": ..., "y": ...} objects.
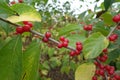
[
  {"x": 107, "y": 4},
  {"x": 11, "y": 60}
]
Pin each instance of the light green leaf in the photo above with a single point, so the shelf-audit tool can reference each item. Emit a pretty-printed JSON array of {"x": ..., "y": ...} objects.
[
  {"x": 85, "y": 71},
  {"x": 11, "y": 60},
  {"x": 68, "y": 28},
  {"x": 31, "y": 62},
  {"x": 94, "y": 45},
  {"x": 25, "y": 13}
]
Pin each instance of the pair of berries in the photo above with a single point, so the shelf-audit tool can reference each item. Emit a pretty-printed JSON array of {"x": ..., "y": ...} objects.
[
  {"x": 46, "y": 37},
  {"x": 116, "y": 18},
  {"x": 63, "y": 42},
  {"x": 79, "y": 48},
  {"x": 19, "y": 1},
  {"x": 113, "y": 37},
  {"x": 103, "y": 58},
  {"x": 26, "y": 28},
  {"x": 88, "y": 27}
]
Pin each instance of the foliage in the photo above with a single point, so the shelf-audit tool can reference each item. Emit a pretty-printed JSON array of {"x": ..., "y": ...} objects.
[{"x": 26, "y": 57}]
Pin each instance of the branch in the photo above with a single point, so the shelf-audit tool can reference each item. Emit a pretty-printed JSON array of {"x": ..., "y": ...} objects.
[
  {"x": 37, "y": 33},
  {"x": 113, "y": 30}
]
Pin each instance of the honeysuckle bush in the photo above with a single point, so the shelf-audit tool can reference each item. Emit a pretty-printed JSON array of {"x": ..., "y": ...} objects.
[{"x": 34, "y": 41}]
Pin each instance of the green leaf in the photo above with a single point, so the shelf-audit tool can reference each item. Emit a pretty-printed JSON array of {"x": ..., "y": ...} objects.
[
  {"x": 107, "y": 4},
  {"x": 31, "y": 62},
  {"x": 85, "y": 71},
  {"x": 68, "y": 28},
  {"x": 94, "y": 45},
  {"x": 118, "y": 65},
  {"x": 11, "y": 60},
  {"x": 113, "y": 55},
  {"x": 25, "y": 13},
  {"x": 5, "y": 9},
  {"x": 76, "y": 37},
  {"x": 107, "y": 18}
]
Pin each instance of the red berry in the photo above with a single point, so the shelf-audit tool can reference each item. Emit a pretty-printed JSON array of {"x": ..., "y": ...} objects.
[
  {"x": 105, "y": 50},
  {"x": 62, "y": 38},
  {"x": 66, "y": 40},
  {"x": 13, "y": 2},
  {"x": 47, "y": 34},
  {"x": 60, "y": 45},
  {"x": 65, "y": 44},
  {"x": 116, "y": 76},
  {"x": 20, "y": 1},
  {"x": 30, "y": 24},
  {"x": 116, "y": 18},
  {"x": 77, "y": 52},
  {"x": 19, "y": 30},
  {"x": 45, "y": 39},
  {"x": 113, "y": 37},
  {"x": 96, "y": 63},
  {"x": 103, "y": 58},
  {"x": 72, "y": 53},
  {"x": 25, "y": 22},
  {"x": 101, "y": 66},
  {"x": 97, "y": 72},
  {"x": 26, "y": 28},
  {"x": 88, "y": 27},
  {"x": 94, "y": 78},
  {"x": 111, "y": 72},
  {"x": 101, "y": 72},
  {"x": 79, "y": 47},
  {"x": 78, "y": 43},
  {"x": 107, "y": 67}
]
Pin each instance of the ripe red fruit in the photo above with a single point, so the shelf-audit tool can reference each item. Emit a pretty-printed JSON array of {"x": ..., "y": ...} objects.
[
  {"x": 19, "y": 30},
  {"x": 66, "y": 40},
  {"x": 13, "y": 2},
  {"x": 94, "y": 78},
  {"x": 78, "y": 43},
  {"x": 30, "y": 24},
  {"x": 96, "y": 63},
  {"x": 113, "y": 37},
  {"x": 97, "y": 72},
  {"x": 62, "y": 38},
  {"x": 116, "y": 18},
  {"x": 65, "y": 44},
  {"x": 77, "y": 52},
  {"x": 116, "y": 76},
  {"x": 26, "y": 28},
  {"x": 47, "y": 34},
  {"x": 45, "y": 39},
  {"x": 101, "y": 66},
  {"x": 60, "y": 45},
  {"x": 88, "y": 27},
  {"x": 79, "y": 47},
  {"x": 105, "y": 50},
  {"x": 107, "y": 67},
  {"x": 103, "y": 58},
  {"x": 101, "y": 72},
  {"x": 72, "y": 53},
  {"x": 20, "y": 1},
  {"x": 25, "y": 22}
]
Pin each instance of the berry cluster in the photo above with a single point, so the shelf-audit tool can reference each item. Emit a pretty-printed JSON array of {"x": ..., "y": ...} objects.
[
  {"x": 103, "y": 70},
  {"x": 46, "y": 37},
  {"x": 113, "y": 37},
  {"x": 88, "y": 27},
  {"x": 26, "y": 28},
  {"x": 116, "y": 18},
  {"x": 79, "y": 48},
  {"x": 63, "y": 42},
  {"x": 14, "y": 2}
]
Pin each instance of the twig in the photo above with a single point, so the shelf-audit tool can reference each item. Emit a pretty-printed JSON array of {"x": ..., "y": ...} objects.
[
  {"x": 113, "y": 30},
  {"x": 37, "y": 33}
]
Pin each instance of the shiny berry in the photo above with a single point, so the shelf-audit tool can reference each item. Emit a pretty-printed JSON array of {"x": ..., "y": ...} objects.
[
  {"x": 79, "y": 47},
  {"x": 13, "y": 2},
  {"x": 19, "y": 30},
  {"x": 20, "y": 1},
  {"x": 116, "y": 18},
  {"x": 25, "y": 22},
  {"x": 47, "y": 34},
  {"x": 94, "y": 78},
  {"x": 26, "y": 28},
  {"x": 62, "y": 38},
  {"x": 60, "y": 45},
  {"x": 45, "y": 39},
  {"x": 105, "y": 50},
  {"x": 65, "y": 44},
  {"x": 72, "y": 53},
  {"x": 87, "y": 27},
  {"x": 78, "y": 43},
  {"x": 113, "y": 37}
]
